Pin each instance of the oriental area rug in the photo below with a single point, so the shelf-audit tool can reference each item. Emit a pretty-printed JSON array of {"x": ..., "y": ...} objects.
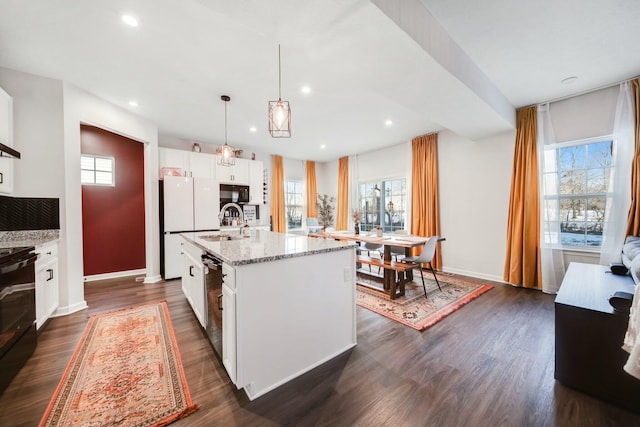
[
  {"x": 125, "y": 371},
  {"x": 413, "y": 309}
]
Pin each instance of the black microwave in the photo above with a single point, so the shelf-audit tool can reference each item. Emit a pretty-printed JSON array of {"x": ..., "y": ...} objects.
[{"x": 234, "y": 193}]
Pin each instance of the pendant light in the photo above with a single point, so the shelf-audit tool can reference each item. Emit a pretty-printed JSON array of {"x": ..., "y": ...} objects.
[
  {"x": 225, "y": 153},
  {"x": 279, "y": 111}
]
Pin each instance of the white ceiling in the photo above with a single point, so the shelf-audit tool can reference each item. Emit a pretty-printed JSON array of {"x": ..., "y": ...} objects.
[{"x": 427, "y": 65}]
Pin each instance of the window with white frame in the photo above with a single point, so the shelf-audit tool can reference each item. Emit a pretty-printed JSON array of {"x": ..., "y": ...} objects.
[
  {"x": 582, "y": 170},
  {"x": 294, "y": 204},
  {"x": 97, "y": 170},
  {"x": 383, "y": 204}
]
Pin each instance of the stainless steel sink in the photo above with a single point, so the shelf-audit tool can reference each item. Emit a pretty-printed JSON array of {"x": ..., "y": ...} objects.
[{"x": 219, "y": 237}]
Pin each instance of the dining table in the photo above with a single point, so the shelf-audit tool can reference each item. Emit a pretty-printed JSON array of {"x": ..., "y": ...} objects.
[{"x": 395, "y": 273}]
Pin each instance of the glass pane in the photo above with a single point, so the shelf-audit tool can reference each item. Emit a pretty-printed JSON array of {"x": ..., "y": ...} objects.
[
  {"x": 599, "y": 154},
  {"x": 103, "y": 164},
  {"x": 595, "y": 208},
  {"x": 550, "y": 184},
  {"x": 105, "y": 178},
  {"x": 571, "y": 158},
  {"x": 86, "y": 177},
  {"x": 86, "y": 163},
  {"x": 595, "y": 181},
  {"x": 571, "y": 210},
  {"x": 294, "y": 217},
  {"x": 572, "y": 182}
]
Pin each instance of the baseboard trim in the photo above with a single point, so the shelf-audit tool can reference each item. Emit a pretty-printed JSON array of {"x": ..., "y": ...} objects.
[
  {"x": 152, "y": 279},
  {"x": 473, "y": 274},
  {"x": 115, "y": 275},
  {"x": 63, "y": 311}
]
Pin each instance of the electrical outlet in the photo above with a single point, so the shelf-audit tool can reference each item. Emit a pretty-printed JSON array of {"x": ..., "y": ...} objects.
[{"x": 347, "y": 274}]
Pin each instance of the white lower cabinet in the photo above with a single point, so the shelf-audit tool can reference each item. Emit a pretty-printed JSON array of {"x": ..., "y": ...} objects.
[
  {"x": 47, "y": 286},
  {"x": 193, "y": 286},
  {"x": 229, "y": 341}
]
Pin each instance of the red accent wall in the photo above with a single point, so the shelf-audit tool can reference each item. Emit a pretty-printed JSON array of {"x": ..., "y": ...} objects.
[{"x": 113, "y": 235}]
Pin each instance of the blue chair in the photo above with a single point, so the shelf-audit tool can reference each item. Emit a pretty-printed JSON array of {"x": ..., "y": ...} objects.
[{"x": 312, "y": 225}]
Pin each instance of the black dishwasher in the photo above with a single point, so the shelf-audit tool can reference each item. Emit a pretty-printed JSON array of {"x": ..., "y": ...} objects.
[{"x": 213, "y": 289}]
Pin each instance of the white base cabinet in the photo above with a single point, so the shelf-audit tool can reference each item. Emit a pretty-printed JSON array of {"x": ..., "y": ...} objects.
[
  {"x": 285, "y": 317},
  {"x": 193, "y": 287},
  {"x": 6, "y": 175},
  {"x": 47, "y": 286}
]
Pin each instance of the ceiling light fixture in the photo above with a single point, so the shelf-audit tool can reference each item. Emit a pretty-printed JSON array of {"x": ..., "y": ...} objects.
[
  {"x": 388, "y": 122},
  {"x": 225, "y": 153},
  {"x": 130, "y": 20},
  {"x": 133, "y": 103},
  {"x": 252, "y": 129},
  {"x": 306, "y": 90},
  {"x": 279, "y": 111}
]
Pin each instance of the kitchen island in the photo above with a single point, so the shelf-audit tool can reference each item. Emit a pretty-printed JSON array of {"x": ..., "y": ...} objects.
[{"x": 288, "y": 303}]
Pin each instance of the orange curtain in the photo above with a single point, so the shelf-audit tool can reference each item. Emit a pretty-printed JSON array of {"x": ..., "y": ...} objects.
[
  {"x": 522, "y": 264},
  {"x": 633, "y": 223},
  {"x": 425, "y": 213},
  {"x": 312, "y": 198},
  {"x": 277, "y": 196},
  {"x": 342, "y": 217}
]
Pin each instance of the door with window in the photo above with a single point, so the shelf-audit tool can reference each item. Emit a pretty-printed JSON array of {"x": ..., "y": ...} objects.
[{"x": 383, "y": 204}]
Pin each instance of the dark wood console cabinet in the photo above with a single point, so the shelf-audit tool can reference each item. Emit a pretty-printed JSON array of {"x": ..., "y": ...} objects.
[{"x": 589, "y": 336}]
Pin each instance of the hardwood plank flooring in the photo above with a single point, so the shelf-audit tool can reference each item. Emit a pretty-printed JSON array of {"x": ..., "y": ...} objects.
[{"x": 489, "y": 364}]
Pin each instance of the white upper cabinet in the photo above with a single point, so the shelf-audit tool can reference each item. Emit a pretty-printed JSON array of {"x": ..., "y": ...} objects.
[
  {"x": 187, "y": 163},
  {"x": 6, "y": 118},
  {"x": 237, "y": 174},
  {"x": 255, "y": 182},
  {"x": 171, "y": 158},
  {"x": 6, "y": 138},
  {"x": 201, "y": 165}
]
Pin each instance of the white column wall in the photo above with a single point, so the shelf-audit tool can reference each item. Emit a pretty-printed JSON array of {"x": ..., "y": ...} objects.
[{"x": 83, "y": 107}]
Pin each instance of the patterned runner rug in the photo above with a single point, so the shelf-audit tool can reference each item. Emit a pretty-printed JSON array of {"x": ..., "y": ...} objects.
[
  {"x": 125, "y": 371},
  {"x": 413, "y": 309}
]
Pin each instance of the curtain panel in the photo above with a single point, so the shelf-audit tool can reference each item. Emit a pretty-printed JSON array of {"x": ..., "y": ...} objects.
[
  {"x": 425, "y": 212},
  {"x": 522, "y": 263},
  {"x": 633, "y": 222},
  {"x": 312, "y": 197},
  {"x": 342, "y": 216},
  {"x": 278, "y": 218}
]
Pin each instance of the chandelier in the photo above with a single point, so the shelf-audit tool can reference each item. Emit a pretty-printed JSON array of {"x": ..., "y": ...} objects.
[
  {"x": 279, "y": 111},
  {"x": 225, "y": 153}
]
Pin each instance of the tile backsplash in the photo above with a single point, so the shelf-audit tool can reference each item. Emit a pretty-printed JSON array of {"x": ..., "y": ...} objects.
[{"x": 29, "y": 213}]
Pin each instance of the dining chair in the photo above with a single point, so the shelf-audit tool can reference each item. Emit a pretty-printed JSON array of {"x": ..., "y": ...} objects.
[
  {"x": 312, "y": 225},
  {"x": 372, "y": 247},
  {"x": 425, "y": 257},
  {"x": 398, "y": 251}
]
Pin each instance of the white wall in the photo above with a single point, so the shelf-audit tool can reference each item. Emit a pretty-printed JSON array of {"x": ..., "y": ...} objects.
[
  {"x": 474, "y": 184},
  {"x": 47, "y": 117},
  {"x": 83, "y": 107},
  {"x": 38, "y": 133}
]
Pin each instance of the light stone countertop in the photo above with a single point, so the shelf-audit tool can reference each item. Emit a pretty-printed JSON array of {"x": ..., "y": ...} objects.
[
  {"x": 264, "y": 246},
  {"x": 37, "y": 238}
]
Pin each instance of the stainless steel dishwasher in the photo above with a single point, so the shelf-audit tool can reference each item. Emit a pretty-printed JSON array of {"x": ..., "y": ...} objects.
[{"x": 213, "y": 288}]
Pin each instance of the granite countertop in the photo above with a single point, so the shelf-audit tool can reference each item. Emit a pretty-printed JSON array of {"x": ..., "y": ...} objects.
[
  {"x": 9, "y": 239},
  {"x": 264, "y": 246}
]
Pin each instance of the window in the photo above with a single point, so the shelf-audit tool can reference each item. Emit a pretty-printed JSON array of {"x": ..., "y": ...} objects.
[
  {"x": 384, "y": 204},
  {"x": 582, "y": 174},
  {"x": 95, "y": 170},
  {"x": 294, "y": 205}
]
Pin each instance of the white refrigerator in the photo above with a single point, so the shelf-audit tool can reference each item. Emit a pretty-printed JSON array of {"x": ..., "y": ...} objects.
[{"x": 188, "y": 204}]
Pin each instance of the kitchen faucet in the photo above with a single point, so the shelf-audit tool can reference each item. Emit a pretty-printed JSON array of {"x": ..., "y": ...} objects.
[{"x": 229, "y": 205}]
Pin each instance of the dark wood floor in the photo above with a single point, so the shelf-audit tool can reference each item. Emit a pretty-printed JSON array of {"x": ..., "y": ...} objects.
[{"x": 489, "y": 364}]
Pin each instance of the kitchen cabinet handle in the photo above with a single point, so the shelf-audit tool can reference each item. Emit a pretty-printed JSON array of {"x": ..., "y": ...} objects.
[
  {"x": 50, "y": 271},
  {"x": 191, "y": 271},
  {"x": 1, "y": 178},
  {"x": 220, "y": 302}
]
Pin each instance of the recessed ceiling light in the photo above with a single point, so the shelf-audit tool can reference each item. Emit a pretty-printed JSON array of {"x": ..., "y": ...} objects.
[
  {"x": 133, "y": 103},
  {"x": 306, "y": 90},
  {"x": 388, "y": 122},
  {"x": 323, "y": 146},
  {"x": 569, "y": 80},
  {"x": 130, "y": 20},
  {"x": 253, "y": 129}
]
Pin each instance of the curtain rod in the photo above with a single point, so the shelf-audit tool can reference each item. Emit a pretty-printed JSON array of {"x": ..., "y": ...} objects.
[{"x": 562, "y": 98}]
